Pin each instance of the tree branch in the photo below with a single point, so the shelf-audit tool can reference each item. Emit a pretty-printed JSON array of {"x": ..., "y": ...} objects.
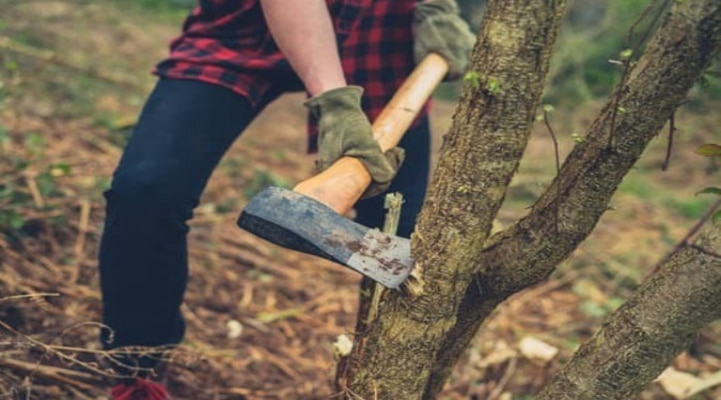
[
  {"x": 642, "y": 337},
  {"x": 677, "y": 55},
  {"x": 528, "y": 251}
]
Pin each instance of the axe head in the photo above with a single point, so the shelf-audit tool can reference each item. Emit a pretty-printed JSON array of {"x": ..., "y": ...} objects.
[{"x": 300, "y": 223}]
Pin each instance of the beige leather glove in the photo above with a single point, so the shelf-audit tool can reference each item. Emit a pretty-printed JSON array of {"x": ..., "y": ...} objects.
[
  {"x": 440, "y": 29},
  {"x": 344, "y": 130}
]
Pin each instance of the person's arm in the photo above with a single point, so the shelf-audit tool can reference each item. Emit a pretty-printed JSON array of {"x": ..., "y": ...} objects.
[{"x": 303, "y": 31}]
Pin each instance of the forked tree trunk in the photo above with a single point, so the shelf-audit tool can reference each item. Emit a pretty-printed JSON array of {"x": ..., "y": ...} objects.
[{"x": 408, "y": 350}]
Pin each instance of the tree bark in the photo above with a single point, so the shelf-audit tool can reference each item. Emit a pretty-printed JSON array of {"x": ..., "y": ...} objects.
[
  {"x": 527, "y": 252},
  {"x": 394, "y": 356},
  {"x": 642, "y": 337},
  {"x": 409, "y": 350}
]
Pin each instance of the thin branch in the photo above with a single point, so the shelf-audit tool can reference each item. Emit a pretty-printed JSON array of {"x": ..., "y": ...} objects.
[
  {"x": 510, "y": 370},
  {"x": 591, "y": 173},
  {"x": 547, "y": 122},
  {"x": 704, "y": 251},
  {"x": 647, "y": 33},
  {"x": 370, "y": 302},
  {"x": 26, "y": 296},
  {"x": 684, "y": 242},
  {"x": 669, "y": 146},
  {"x": 627, "y": 61}
]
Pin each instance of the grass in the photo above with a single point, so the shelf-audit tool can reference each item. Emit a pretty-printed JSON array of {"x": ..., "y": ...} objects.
[
  {"x": 641, "y": 187},
  {"x": 162, "y": 10},
  {"x": 692, "y": 208},
  {"x": 46, "y": 71}
]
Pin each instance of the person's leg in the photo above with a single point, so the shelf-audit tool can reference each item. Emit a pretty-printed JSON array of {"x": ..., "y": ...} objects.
[
  {"x": 184, "y": 129},
  {"x": 411, "y": 181}
]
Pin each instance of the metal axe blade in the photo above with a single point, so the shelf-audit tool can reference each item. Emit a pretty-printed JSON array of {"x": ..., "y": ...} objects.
[
  {"x": 300, "y": 223},
  {"x": 309, "y": 218}
]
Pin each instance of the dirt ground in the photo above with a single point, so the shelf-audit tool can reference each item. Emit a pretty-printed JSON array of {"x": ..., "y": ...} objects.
[{"x": 262, "y": 320}]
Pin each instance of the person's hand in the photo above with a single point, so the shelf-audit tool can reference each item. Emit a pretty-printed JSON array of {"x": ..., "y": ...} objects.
[
  {"x": 344, "y": 130},
  {"x": 440, "y": 29}
]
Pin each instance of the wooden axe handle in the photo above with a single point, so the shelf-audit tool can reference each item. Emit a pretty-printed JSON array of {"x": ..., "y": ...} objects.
[{"x": 343, "y": 183}]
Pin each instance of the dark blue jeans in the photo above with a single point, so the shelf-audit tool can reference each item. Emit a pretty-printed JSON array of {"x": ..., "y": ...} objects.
[{"x": 184, "y": 129}]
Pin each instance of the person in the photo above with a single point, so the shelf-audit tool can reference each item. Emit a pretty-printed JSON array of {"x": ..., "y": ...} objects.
[{"x": 232, "y": 59}]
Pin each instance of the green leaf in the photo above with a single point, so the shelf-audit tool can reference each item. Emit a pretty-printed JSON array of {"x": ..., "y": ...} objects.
[
  {"x": 4, "y": 136},
  {"x": 20, "y": 164},
  {"x": 473, "y": 78},
  {"x": 35, "y": 142},
  {"x": 615, "y": 302},
  {"x": 17, "y": 221},
  {"x": 709, "y": 150},
  {"x": 626, "y": 54},
  {"x": 6, "y": 191},
  {"x": 46, "y": 184},
  {"x": 11, "y": 219},
  {"x": 59, "y": 169},
  {"x": 710, "y": 190},
  {"x": 493, "y": 86},
  {"x": 12, "y": 65}
]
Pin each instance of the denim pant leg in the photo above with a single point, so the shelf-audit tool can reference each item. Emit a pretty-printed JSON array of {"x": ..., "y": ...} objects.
[
  {"x": 411, "y": 181},
  {"x": 184, "y": 129}
]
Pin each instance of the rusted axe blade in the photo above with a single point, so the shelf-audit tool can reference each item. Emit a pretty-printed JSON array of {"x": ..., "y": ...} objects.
[{"x": 300, "y": 223}]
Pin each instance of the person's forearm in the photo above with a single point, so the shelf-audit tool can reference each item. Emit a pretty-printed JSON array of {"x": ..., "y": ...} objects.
[{"x": 303, "y": 31}]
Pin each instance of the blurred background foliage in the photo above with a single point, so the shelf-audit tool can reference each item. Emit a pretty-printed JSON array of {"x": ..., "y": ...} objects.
[
  {"x": 110, "y": 91},
  {"x": 594, "y": 33}
]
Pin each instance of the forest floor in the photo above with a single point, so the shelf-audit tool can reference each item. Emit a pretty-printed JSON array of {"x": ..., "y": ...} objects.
[{"x": 262, "y": 320}]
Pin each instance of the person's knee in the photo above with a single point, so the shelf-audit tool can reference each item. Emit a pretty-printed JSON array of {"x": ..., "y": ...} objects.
[{"x": 150, "y": 189}]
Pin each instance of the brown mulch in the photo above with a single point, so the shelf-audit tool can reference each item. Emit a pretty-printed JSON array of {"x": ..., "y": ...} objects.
[
  {"x": 285, "y": 308},
  {"x": 261, "y": 320}
]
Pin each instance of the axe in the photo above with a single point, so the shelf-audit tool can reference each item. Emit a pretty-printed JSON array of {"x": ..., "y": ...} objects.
[{"x": 310, "y": 218}]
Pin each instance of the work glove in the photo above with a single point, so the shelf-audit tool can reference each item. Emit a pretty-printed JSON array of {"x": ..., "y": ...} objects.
[
  {"x": 440, "y": 29},
  {"x": 344, "y": 130}
]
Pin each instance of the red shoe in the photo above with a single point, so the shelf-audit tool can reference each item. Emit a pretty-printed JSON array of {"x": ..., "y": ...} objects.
[{"x": 140, "y": 389}]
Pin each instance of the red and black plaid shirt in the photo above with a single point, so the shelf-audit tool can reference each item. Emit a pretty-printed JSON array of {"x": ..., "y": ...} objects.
[{"x": 227, "y": 42}]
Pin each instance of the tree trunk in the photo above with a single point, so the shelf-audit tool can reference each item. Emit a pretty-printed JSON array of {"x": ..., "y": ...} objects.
[
  {"x": 642, "y": 337},
  {"x": 527, "y": 252},
  {"x": 409, "y": 349},
  {"x": 395, "y": 354}
]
